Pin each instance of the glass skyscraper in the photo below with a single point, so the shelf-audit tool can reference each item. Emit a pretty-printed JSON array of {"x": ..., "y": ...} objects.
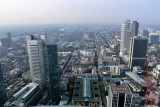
[
  {"x": 3, "y": 96},
  {"x": 52, "y": 72}
]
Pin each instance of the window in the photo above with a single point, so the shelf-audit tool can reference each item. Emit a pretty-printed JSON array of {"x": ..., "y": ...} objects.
[
  {"x": 96, "y": 95},
  {"x": 95, "y": 88},
  {"x": 76, "y": 95}
]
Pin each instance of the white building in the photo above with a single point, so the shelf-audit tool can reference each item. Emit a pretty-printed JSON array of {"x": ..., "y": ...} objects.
[
  {"x": 35, "y": 54},
  {"x": 125, "y": 38},
  {"x": 156, "y": 70}
]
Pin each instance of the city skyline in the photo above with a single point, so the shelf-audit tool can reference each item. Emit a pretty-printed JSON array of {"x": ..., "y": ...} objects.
[{"x": 78, "y": 11}]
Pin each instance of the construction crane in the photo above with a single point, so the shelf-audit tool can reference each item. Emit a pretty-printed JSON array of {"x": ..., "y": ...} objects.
[{"x": 149, "y": 90}]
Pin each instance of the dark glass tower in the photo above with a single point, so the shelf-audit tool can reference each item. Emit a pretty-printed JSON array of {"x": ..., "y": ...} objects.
[
  {"x": 3, "y": 96},
  {"x": 134, "y": 28},
  {"x": 52, "y": 72},
  {"x": 138, "y": 50}
]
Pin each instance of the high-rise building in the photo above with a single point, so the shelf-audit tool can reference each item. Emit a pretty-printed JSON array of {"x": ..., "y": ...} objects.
[
  {"x": 3, "y": 96},
  {"x": 134, "y": 28},
  {"x": 36, "y": 59},
  {"x": 44, "y": 66},
  {"x": 9, "y": 36},
  {"x": 125, "y": 37},
  {"x": 52, "y": 72},
  {"x": 145, "y": 33},
  {"x": 137, "y": 54},
  {"x": 6, "y": 42},
  {"x": 119, "y": 96}
]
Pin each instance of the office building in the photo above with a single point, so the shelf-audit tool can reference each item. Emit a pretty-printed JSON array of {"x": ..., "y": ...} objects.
[
  {"x": 9, "y": 36},
  {"x": 134, "y": 28},
  {"x": 137, "y": 54},
  {"x": 36, "y": 59},
  {"x": 145, "y": 33},
  {"x": 125, "y": 38},
  {"x": 44, "y": 66},
  {"x": 3, "y": 96},
  {"x": 119, "y": 96},
  {"x": 137, "y": 84},
  {"x": 86, "y": 91},
  {"x": 52, "y": 72},
  {"x": 27, "y": 96},
  {"x": 153, "y": 38},
  {"x": 7, "y": 41}
]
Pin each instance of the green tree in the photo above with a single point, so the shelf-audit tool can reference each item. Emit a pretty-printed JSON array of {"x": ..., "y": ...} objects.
[{"x": 159, "y": 76}]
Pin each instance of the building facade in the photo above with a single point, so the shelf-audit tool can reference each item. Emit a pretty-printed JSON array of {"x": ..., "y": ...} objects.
[
  {"x": 138, "y": 50},
  {"x": 119, "y": 96},
  {"x": 3, "y": 96},
  {"x": 125, "y": 38},
  {"x": 153, "y": 38},
  {"x": 134, "y": 28},
  {"x": 36, "y": 59},
  {"x": 86, "y": 91},
  {"x": 52, "y": 72}
]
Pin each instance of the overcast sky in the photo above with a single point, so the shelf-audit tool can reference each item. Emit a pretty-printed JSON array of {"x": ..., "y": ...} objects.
[{"x": 78, "y": 11}]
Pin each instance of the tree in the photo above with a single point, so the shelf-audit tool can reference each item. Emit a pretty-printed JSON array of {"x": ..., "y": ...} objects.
[{"x": 159, "y": 75}]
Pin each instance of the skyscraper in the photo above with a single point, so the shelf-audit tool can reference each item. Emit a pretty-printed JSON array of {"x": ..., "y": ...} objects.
[
  {"x": 3, "y": 96},
  {"x": 36, "y": 59},
  {"x": 125, "y": 38},
  {"x": 134, "y": 28},
  {"x": 52, "y": 72},
  {"x": 137, "y": 54},
  {"x": 44, "y": 66},
  {"x": 7, "y": 41}
]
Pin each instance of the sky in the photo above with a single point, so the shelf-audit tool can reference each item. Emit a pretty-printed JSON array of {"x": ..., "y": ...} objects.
[{"x": 14, "y": 12}]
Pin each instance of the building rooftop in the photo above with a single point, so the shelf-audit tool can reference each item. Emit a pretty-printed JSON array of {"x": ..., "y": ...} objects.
[
  {"x": 86, "y": 88},
  {"x": 135, "y": 77},
  {"x": 22, "y": 96},
  {"x": 120, "y": 89}
]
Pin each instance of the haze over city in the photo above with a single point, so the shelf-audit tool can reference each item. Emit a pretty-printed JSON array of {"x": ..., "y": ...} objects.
[
  {"x": 71, "y": 53},
  {"x": 16, "y": 12}
]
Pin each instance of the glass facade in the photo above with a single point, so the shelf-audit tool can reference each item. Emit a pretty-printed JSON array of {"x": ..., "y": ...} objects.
[
  {"x": 52, "y": 72},
  {"x": 3, "y": 96}
]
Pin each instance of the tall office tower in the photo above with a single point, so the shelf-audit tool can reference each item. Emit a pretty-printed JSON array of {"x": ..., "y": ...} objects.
[
  {"x": 134, "y": 28},
  {"x": 7, "y": 41},
  {"x": 138, "y": 49},
  {"x": 119, "y": 96},
  {"x": 9, "y": 36},
  {"x": 145, "y": 33},
  {"x": 36, "y": 59},
  {"x": 52, "y": 72},
  {"x": 125, "y": 38},
  {"x": 3, "y": 96}
]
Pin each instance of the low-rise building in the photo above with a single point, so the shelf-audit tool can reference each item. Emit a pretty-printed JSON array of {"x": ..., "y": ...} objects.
[
  {"x": 86, "y": 91},
  {"x": 27, "y": 96}
]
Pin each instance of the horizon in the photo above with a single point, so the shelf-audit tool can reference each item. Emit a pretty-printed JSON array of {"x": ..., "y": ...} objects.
[{"x": 29, "y": 12}]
